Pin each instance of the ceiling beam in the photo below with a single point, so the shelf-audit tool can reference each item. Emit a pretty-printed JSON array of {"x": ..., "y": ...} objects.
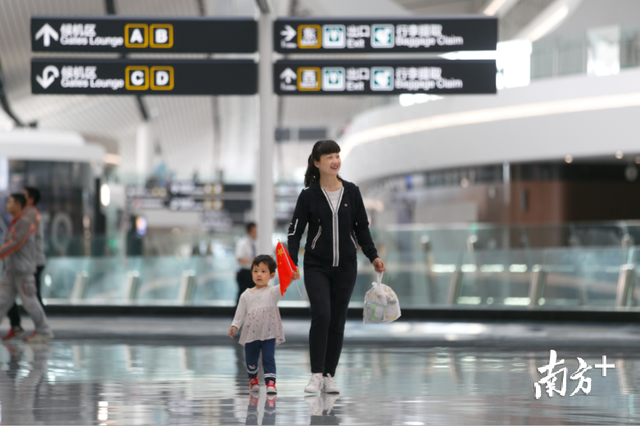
[
  {"x": 4, "y": 101},
  {"x": 498, "y": 7}
]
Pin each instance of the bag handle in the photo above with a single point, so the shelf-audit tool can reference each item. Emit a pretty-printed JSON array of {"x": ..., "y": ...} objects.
[{"x": 379, "y": 277}]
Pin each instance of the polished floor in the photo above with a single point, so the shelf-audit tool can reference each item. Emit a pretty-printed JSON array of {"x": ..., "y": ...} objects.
[{"x": 96, "y": 382}]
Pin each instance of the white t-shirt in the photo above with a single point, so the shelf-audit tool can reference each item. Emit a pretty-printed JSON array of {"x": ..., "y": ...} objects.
[
  {"x": 246, "y": 249},
  {"x": 334, "y": 197}
]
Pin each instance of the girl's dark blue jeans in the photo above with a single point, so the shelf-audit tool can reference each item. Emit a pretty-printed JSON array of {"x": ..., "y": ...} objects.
[{"x": 252, "y": 355}]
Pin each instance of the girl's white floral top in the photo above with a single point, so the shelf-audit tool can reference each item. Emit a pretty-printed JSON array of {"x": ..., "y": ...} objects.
[{"x": 258, "y": 310}]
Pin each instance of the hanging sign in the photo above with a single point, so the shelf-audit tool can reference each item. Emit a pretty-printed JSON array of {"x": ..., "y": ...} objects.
[
  {"x": 390, "y": 77},
  {"x": 143, "y": 77},
  {"x": 135, "y": 34},
  {"x": 333, "y": 35}
]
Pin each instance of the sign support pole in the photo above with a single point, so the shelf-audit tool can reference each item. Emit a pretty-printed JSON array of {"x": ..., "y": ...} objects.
[{"x": 264, "y": 182}]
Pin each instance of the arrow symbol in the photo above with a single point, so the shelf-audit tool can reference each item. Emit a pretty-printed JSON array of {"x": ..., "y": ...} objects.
[
  {"x": 288, "y": 33},
  {"x": 48, "y": 33},
  {"x": 288, "y": 75},
  {"x": 49, "y": 74}
]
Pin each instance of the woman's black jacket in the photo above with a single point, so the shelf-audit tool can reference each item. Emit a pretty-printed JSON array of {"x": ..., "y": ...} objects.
[{"x": 332, "y": 237}]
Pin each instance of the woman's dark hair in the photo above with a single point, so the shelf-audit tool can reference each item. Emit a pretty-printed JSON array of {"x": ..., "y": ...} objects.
[
  {"x": 267, "y": 260},
  {"x": 320, "y": 148}
]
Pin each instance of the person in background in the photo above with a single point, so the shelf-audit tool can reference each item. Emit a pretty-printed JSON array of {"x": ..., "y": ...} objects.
[
  {"x": 19, "y": 265},
  {"x": 245, "y": 253},
  {"x": 32, "y": 195}
]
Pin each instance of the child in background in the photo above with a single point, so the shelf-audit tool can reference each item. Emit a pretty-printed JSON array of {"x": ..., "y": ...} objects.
[{"x": 258, "y": 310}]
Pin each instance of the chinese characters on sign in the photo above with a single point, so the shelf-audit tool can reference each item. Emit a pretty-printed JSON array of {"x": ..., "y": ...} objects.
[
  {"x": 83, "y": 34},
  {"x": 85, "y": 77},
  {"x": 424, "y": 78},
  {"x": 550, "y": 380}
]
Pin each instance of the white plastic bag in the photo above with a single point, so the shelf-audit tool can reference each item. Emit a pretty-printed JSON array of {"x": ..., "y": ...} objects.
[{"x": 380, "y": 304}]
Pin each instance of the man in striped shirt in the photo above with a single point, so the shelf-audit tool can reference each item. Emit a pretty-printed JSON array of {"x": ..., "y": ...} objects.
[{"x": 19, "y": 265}]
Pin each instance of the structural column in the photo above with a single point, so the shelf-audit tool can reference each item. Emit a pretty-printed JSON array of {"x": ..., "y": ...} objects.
[
  {"x": 144, "y": 150},
  {"x": 264, "y": 183}
]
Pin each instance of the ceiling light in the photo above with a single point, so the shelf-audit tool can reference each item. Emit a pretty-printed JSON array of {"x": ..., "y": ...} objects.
[
  {"x": 113, "y": 159},
  {"x": 548, "y": 24},
  {"x": 568, "y": 159},
  {"x": 470, "y": 55},
  {"x": 105, "y": 195},
  {"x": 493, "y": 7},
  {"x": 141, "y": 225},
  {"x": 619, "y": 155}
]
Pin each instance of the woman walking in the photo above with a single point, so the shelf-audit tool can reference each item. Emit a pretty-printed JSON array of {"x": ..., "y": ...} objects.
[{"x": 334, "y": 211}]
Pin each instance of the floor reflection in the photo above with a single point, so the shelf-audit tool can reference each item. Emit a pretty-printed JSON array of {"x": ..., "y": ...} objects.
[
  {"x": 104, "y": 384},
  {"x": 322, "y": 409}
]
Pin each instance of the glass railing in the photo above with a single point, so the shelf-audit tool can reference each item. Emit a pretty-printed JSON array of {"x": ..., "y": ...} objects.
[{"x": 542, "y": 267}]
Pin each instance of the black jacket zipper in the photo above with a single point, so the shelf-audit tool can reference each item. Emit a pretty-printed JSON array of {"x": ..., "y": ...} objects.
[{"x": 336, "y": 228}]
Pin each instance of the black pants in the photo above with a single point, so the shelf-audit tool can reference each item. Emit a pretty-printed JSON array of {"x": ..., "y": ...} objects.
[
  {"x": 14, "y": 313},
  {"x": 245, "y": 281},
  {"x": 329, "y": 289}
]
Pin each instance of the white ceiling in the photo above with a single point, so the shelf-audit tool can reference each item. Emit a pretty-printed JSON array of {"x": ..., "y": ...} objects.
[{"x": 442, "y": 7}]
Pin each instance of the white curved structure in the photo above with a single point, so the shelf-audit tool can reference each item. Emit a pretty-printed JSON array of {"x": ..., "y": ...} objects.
[
  {"x": 37, "y": 145},
  {"x": 580, "y": 116}
]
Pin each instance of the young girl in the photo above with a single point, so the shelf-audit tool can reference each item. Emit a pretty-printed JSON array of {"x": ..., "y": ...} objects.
[{"x": 262, "y": 324}]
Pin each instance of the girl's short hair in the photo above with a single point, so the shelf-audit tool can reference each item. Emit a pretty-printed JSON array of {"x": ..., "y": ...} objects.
[{"x": 267, "y": 260}]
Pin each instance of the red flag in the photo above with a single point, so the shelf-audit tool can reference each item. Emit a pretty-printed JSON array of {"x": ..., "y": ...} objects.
[{"x": 285, "y": 267}]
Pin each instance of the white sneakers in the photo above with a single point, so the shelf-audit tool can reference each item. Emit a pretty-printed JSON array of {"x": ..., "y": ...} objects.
[
  {"x": 321, "y": 384},
  {"x": 315, "y": 384},
  {"x": 329, "y": 385}
]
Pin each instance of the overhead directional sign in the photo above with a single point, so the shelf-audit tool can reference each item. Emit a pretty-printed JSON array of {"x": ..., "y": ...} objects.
[
  {"x": 143, "y": 77},
  {"x": 353, "y": 77},
  {"x": 134, "y": 34},
  {"x": 331, "y": 35}
]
